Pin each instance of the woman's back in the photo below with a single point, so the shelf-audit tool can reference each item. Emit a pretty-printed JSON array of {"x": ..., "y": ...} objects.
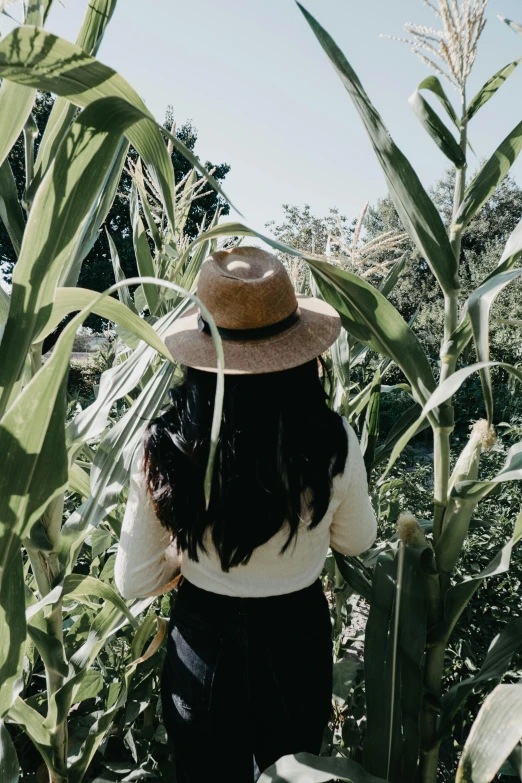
[
  {"x": 289, "y": 482},
  {"x": 250, "y": 620}
]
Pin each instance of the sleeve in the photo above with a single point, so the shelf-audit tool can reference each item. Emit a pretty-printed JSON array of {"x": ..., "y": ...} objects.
[
  {"x": 147, "y": 559},
  {"x": 354, "y": 527}
]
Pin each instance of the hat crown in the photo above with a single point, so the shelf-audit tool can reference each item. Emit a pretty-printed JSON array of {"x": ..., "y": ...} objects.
[{"x": 245, "y": 288}]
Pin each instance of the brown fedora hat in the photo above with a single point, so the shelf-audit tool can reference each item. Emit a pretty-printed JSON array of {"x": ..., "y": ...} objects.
[{"x": 264, "y": 326}]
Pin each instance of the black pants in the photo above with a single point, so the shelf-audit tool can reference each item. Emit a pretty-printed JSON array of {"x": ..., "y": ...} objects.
[{"x": 245, "y": 681}]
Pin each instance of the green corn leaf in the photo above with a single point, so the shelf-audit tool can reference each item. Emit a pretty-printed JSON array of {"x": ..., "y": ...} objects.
[
  {"x": 515, "y": 26},
  {"x": 10, "y": 210},
  {"x": 16, "y": 104},
  {"x": 341, "y": 358},
  {"x": 416, "y": 210},
  {"x": 489, "y": 177},
  {"x": 34, "y": 57},
  {"x": 97, "y": 17},
  {"x": 354, "y": 574},
  {"x": 370, "y": 433},
  {"x": 144, "y": 258},
  {"x": 106, "y": 623},
  {"x": 443, "y": 392},
  {"x": 68, "y": 300},
  {"x": 115, "y": 383},
  {"x": 101, "y": 540},
  {"x": 31, "y": 722},
  {"x": 12, "y": 620},
  {"x": 440, "y": 134},
  {"x": 50, "y": 649},
  {"x": 8, "y": 759},
  {"x": 389, "y": 282},
  {"x": 185, "y": 203},
  {"x": 79, "y": 480},
  {"x": 194, "y": 265},
  {"x": 119, "y": 275},
  {"x": 151, "y": 223},
  {"x": 474, "y": 491},
  {"x": 111, "y": 465},
  {"x": 90, "y": 686},
  {"x": 142, "y": 634},
  {"x": 66, "y": 197},
  {"x": 359, "y": 401},
  {"x": 35, "y": 11},
  {"x": 458, "y": 596},
  {"x": 316, "y": 769},
  {"x": 91, "y": 229},
  {"x": 36, "y": 472},
  {"x": 495, "y": 665},
  {"x": 81, "y": 586},
  {"x": 5, "y": 303},
  {"x": 37, "y": 58},
  {"x": 432, "y": 83},
  {"x": 494, "y": 734},
  {"x": 394, "y": 647},
  {"x": 478, "y": 307},
  {"x": 99, "y": 729},
  {"x": 489, "y": 89},
  {"x": 344, "y": 676},
  {"x": 397, "y": 431},
  {"x": 43, "y": 388},
  {"x": 103, "y": 724},
  {"x": 509, "y": 259},
  {"x": 46, "y": 7},
  {"x": 372, "y": 319},
  {"x": 61, "y": 700}
]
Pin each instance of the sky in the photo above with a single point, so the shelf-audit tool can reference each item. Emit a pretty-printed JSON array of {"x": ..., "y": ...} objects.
[{"x": 264, "y": 98}]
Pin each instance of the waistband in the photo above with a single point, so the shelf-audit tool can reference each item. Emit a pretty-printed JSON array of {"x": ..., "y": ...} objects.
[{"x": 198, "y": 596}]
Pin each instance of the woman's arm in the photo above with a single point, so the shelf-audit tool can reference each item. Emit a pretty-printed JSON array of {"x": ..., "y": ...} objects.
[
  {"x": 147, "y": 560},
  {"x": 354, "y": 526}
]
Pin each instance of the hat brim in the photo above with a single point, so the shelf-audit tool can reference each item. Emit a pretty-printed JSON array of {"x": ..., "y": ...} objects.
[{"x": 315, "y": 331}]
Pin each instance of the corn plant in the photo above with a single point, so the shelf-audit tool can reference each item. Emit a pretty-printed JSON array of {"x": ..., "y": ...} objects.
[
  {"x": 416, "y": 601},
  {"x": 69, "y": 190}
]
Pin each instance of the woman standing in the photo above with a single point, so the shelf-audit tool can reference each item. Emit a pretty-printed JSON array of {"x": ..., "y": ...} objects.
[{"x": 248, "y": 670}]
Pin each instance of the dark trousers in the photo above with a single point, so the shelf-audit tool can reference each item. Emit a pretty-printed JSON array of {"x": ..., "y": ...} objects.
[{"x": 245, "y": 681}]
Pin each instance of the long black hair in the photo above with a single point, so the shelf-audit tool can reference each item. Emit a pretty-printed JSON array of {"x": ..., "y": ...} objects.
[{"x": 278, "y": 438}]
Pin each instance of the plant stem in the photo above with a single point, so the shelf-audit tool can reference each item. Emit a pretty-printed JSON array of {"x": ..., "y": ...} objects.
[
  {"x": 434, "y": 664},
  {"x": 339, "y": 581},
  {"x": 30, "y": 133},
  {"x": 433, "y": 673},
  {"x": 441, "y": 463}
]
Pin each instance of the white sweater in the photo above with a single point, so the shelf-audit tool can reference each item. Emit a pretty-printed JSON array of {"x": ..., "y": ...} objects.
[{"x": 147, "y": 558}]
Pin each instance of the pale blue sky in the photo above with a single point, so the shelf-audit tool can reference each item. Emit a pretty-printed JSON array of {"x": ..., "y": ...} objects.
[{"x": 264, "y": 98}]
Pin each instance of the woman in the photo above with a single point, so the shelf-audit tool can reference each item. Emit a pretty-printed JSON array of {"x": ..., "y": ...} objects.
[{"x": 248, "y": 669}]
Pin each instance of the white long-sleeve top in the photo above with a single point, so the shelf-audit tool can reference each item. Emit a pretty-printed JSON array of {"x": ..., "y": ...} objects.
[{"x": 147, "y": 558}]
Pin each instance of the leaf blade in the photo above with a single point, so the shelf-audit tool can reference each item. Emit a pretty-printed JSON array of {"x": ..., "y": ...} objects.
[{"x": 416, "y": 210}]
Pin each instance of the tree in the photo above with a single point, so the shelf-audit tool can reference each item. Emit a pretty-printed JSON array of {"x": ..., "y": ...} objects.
[{"x": 97, "y": 273}]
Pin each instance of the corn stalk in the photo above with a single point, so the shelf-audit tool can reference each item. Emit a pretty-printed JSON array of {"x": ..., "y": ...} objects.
[{"x": 72, "y": 183}]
